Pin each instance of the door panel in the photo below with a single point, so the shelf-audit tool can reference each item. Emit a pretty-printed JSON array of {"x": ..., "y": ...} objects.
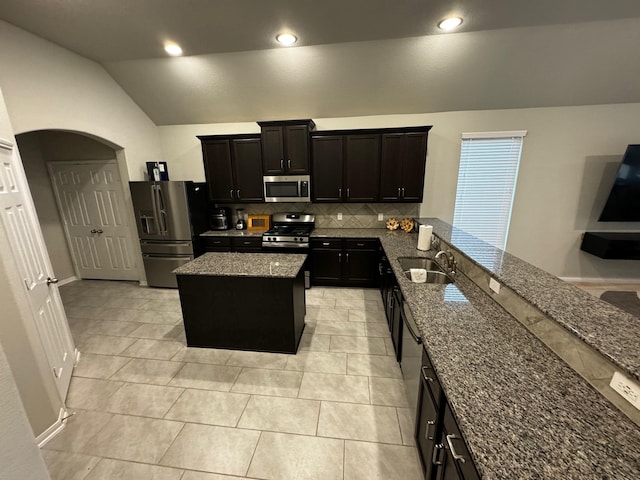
[
  {"x": 297, "y": 138},
  {"x": 362, "y": 168},
  {"x": 327, "y": 157},
  {"x": 247, "y": 168},
  {"x": 91, "y": 202},
  {"x": 32, "y": 261}
]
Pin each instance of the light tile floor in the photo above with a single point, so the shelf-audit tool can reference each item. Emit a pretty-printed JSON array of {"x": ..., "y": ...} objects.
[{"x": 148, "y": 407}]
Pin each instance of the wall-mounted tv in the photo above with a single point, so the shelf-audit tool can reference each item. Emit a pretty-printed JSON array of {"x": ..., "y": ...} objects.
[{"x": 623, "y": 204}]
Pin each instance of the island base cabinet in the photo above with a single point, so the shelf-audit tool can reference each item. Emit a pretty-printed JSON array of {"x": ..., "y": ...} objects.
[{"x": 243, "y": 313}]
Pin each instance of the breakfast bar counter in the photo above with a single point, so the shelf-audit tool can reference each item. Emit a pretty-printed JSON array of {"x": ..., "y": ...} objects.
[{"x": 243, "y": 301}]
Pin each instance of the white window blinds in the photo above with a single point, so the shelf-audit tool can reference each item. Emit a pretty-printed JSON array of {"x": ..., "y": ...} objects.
[{"x": 486, "y": 184}]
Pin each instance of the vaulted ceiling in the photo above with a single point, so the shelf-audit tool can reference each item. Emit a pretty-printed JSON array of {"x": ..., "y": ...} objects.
[{"x": 354, "y": 57}]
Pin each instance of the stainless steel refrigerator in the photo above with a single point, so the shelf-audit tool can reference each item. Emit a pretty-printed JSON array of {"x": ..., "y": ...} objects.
[{"x": 169, "y": 215}]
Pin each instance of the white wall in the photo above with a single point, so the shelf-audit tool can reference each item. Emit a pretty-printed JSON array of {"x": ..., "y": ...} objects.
[
  {"x": 568, "y": 163},
  {"x": 49, "y": 87}
]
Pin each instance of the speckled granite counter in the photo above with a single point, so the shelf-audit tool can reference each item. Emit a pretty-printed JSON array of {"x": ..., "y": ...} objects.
[
  {"x": 524, "y": 412},
  {"x": 264, "y": 265}
]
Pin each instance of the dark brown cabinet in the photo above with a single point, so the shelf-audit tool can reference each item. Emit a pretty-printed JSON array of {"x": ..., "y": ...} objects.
[
  {"x": 344, "y": 262},
  {"x": 402, "y": 166},
  {"x": 231, "y": 244},
  {"x": 362, "y": 168},
  {"x": 327, "y": 153},
  {"x": 233, "y": 168},
  {"x": 215, "y": 244},
  {"x": 285, "y": 147}
]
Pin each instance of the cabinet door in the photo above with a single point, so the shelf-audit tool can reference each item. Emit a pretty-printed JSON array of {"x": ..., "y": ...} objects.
[
  {"x": 391, "y": 167},
  {"x": 327, "y": 160},
  {"x": 297, "y": 149},
  {"x": 247, "y": 244},
  {"x": 413, "y": 166},
  {"x": 457, "y": 463},
  {"x": 326, "y": 266},
  {"x": 273, "y": 160},
  {"x": 247, "y": 162},
  {"x": 216, "y": 244},
  {"x": 361, "y": 262},
  {"x": 218, "y": 171},
  {"x": 362, "y": 168},
  {"x": 426, "y": 429}
]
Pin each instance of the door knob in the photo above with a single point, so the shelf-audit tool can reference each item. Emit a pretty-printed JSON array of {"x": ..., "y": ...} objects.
[
  {"x": 93, "y": 230},
  {"x": 51, "y": 280}
]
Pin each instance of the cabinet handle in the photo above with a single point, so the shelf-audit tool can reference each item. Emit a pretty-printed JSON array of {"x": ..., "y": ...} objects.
[
  {"x": 427, "y": 435},
  {"x": 238, "y": 194},
  {"x": 247, "y": 242},
  {"x": 325, "y": 244},
  {"x": 399, "y": 191},
  {"x": 282, "y": 164},
  {"x": 360, "y": 244},
  {"x": 436, "y": 453},
  {"x": 347, "y": 255},
  {"x": 402, "y": 192},
  {"x": 231, "y": 193},
  {"x": 424, "y": 374},
  {"x": 217, "y": 242},
  {"x": 340, "y": 257},
  {"x": 348, "y": 192},
  {"x": 340, "y": 192},
  {"x": 289, "y": 164},
  {"x": 453, "y": 451}
]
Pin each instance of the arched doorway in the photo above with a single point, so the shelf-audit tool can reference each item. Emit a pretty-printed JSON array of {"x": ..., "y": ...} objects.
[{"x": 79, "y": 186}]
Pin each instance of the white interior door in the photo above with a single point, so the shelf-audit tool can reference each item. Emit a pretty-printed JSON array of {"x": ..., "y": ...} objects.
[
  {"x": 28, "y": 249},
  {"x": 91, "y": 202}
]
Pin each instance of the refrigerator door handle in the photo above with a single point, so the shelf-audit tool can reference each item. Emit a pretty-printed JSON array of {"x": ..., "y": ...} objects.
[{"x": 160, "y": 207}]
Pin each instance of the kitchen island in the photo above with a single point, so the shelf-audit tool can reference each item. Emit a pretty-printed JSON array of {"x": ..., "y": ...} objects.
[{"x": 243, "y": 301}]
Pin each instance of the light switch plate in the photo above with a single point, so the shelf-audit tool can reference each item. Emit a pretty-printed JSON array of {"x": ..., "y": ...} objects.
[
  {"x": 494, "y": 285},
  {"x": 380, "y": 217},
  {"x": 339, "y": 216},
  {"x": 626, "y": 387}
]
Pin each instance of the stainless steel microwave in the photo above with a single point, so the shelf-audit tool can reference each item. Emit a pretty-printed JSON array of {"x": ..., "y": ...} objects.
[{"x": 287, "y": 188}]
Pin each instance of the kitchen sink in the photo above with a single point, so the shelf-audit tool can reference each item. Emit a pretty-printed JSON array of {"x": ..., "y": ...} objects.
[
  {"x": 434, "y": 277},
  {"x": 419, "y": 262}
]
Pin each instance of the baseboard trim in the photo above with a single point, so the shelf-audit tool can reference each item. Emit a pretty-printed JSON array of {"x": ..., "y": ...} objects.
[
  {"x": 73, "y": 278},
  {"x": 53, "y": 430},
  {"x": 599, "y": 280}
]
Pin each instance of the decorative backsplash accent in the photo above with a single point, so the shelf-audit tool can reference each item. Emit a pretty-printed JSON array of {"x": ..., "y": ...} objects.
[{"x": 354, "y": 215}]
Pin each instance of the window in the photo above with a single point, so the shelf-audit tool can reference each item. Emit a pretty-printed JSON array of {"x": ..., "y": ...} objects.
[{"x": 486, "y": 184}]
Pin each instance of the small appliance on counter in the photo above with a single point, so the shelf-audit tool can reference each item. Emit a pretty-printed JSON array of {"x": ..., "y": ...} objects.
[
  {"x": 259, "y": 222},
  {"x": 220, "y": 218},
  {"x": 241, "y": 222}
]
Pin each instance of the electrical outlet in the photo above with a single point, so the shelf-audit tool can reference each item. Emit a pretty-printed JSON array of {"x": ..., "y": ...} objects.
[
  {"x": 339, "y": 216},
  {"x": 494, "y": 285},
  {"x": 626, "y": 387},
  {"x": 380, "y": 217}
]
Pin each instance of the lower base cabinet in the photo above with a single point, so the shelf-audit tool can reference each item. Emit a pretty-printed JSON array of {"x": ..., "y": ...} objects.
[
  {"x": 346, "y": 262},
  {"x": 441, "y": 448},
  {"x": 232, "y": 244}
]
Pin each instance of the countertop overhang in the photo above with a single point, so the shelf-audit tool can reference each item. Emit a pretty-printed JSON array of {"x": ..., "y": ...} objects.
[{"x": 263, "y": 265}]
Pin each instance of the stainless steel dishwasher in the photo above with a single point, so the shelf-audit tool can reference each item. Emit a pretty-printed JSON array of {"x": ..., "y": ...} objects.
[{"x": 411, "y": 359}]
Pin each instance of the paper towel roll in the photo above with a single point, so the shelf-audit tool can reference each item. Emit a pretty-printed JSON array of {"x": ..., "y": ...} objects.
[{"x": 424, "y": 237}]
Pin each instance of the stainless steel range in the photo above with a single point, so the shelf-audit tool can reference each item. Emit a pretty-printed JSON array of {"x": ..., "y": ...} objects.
[
  {"x": 290, "y": 231},
  {"x": 290, "y": 234}
]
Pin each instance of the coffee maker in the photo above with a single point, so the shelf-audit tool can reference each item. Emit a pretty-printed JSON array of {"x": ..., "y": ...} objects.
[{"x": 220, "y": 218}]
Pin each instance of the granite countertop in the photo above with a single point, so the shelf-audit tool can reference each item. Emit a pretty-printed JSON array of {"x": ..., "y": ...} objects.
[
  {"x": 265, "y": 265},
  {"x": 611, "y": 331},
  {"x": 233, "y": 233},
  {"x": 522, "y": 410}
]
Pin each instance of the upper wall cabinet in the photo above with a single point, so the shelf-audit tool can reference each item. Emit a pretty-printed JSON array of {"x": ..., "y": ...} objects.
[
  {"x": 285, "y": 147},
  {"x": 233, "y": 168},
  {"x": 402, "y": 166},
  {"x": 382, "y": 165}
]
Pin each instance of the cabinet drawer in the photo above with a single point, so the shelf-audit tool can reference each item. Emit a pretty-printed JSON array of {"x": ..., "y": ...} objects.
[
  {"x": 216, "y": 244},
  {"x": 362, "y": 244},
  {"x": 326, "y": 243},
  {"x": 245, "y": 244}
]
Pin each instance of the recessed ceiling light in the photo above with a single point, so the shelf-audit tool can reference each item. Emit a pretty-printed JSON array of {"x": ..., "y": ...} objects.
[
  {"x": 173, "y": 49},
  {"x": 286, "y": 39},
  {"x": 450, "y": 23}
]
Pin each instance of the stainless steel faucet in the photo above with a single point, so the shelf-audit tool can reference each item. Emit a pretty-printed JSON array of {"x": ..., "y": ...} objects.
[{"x": 449, "y": 259}]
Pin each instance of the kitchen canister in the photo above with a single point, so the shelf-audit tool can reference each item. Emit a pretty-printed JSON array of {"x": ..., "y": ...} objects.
[{"x": 424, "y": 237}]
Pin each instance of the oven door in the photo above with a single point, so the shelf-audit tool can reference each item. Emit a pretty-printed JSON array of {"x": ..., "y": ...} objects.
[{"x": 287, "y": 188}]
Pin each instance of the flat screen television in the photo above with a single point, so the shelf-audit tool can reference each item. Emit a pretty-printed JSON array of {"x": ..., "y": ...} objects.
[{"x": 623, "y": 204}]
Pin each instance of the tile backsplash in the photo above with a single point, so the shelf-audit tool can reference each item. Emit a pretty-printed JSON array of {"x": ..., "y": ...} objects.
[{"x": 354, "y": 215}]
